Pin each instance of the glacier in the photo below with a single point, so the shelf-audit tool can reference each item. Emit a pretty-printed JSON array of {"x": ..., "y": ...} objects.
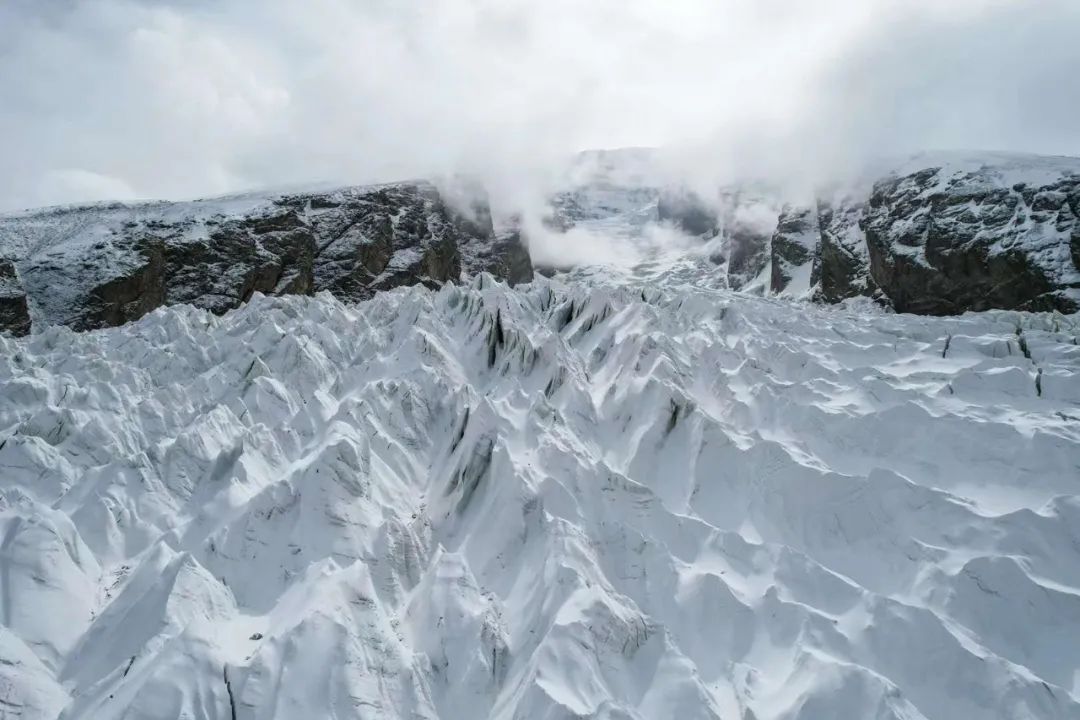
[{"x": 597, "y": 495}]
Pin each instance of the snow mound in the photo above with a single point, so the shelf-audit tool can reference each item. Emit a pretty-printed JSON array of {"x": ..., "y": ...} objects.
[
  {"x": 588, "y": 497},
  {"x": 993, "y": 169}
]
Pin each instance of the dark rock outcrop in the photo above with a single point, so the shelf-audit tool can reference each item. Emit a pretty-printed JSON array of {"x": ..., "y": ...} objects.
[
  {"x": 104, "y": 265},
  {"x": 14, "y": 311},
  {"x": 962, "y": 233},
  {"x": 943, "y": 242},
  {"x": 102, "y": 283},
  {"x": 748, "y": 252},
  {"x": 505, "y": 256},
  {"x": 128, "y": 296},
  {"x": 371, "y": 239},
  {"x": 842, "y": 269},
  {"x": 793, "y": 247},
  {"x": 747, "y": 223},
  {"x": 270, "y": 254},
  {"x": 688, "y": 212}
]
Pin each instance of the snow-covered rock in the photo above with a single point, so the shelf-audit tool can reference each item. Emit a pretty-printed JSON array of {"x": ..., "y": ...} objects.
[
  {"x": 934, "y": 234},
  {"x": 842, "y": 267},
  {"x": 605, "y": 495},
  {"x": 102, "y": 265},
  {"x": 954, "y": 233},
  {"x": 794, "y": 249}
]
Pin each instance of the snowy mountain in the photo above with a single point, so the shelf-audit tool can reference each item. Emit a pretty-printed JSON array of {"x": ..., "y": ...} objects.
[
  {"x": 601, "y": 495},
  {"x": 338, "y": 454},
  {"x": 934, "y": 234},
  {"x": 102, "y": 265}
]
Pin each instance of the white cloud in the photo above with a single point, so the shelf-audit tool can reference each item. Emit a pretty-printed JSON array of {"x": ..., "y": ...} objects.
[
  {"x": 582, "y": 245},
  {"x": 174, "y": 98},
  {"x": 81, "y": 184}
]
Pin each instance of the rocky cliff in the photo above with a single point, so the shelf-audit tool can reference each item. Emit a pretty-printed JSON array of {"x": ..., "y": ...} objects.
[
  {"x": 14, "y": 314},
  {"x": 947, "y": 234},
  {"x": 976, "y": 236},
  {"x": 103, "y": 265},
  {"x": 936, "y": 234}
]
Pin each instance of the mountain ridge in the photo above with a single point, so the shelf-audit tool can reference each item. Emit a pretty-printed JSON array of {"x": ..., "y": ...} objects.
[
  {"x": 988, "y": 220},
  {"x": 109, "y": 263},
  {"x": 940, "y": 233}
]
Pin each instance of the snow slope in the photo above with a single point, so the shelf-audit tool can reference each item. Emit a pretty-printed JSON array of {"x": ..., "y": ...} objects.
[{"x": 589, "y": 497}]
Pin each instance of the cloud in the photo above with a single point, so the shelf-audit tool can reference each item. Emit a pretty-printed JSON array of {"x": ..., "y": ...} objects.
[
  {"x": 181, "y": 98},
  {"x": 591, "y": 246},
  {"x": 82, "y": 184}
]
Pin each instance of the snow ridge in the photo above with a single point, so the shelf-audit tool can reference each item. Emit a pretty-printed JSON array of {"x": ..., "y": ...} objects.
[{"x": 582, "y": 498}]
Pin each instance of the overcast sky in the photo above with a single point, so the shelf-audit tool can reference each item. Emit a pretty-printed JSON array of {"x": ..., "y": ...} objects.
[{"x": 120, "y": 99}]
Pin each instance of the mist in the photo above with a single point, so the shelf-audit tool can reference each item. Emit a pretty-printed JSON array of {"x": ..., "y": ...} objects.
[{"x": 126, "y": 99}]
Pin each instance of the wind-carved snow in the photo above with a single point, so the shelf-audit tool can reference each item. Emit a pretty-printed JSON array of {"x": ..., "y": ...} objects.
[{"x": 583, "y": 498}]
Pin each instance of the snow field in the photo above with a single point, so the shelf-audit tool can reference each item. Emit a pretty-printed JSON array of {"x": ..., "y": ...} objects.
[{"x": 582, "y": 498}]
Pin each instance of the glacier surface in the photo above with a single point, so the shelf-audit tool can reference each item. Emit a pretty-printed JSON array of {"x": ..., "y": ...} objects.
[{"x": 589, "y": 497}]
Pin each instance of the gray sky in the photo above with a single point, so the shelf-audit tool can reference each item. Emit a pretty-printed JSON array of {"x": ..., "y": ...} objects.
[{"x": 119, "y": 99}]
